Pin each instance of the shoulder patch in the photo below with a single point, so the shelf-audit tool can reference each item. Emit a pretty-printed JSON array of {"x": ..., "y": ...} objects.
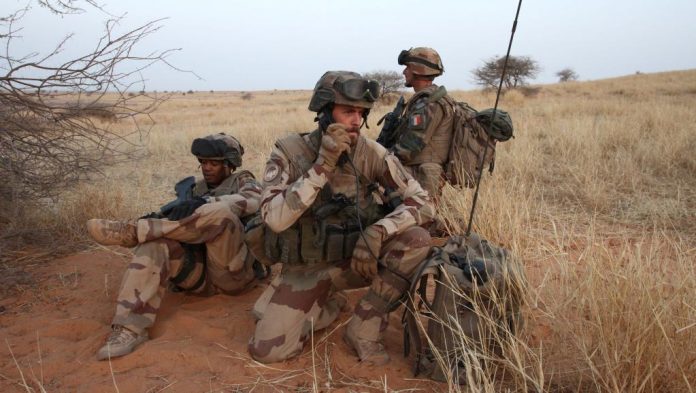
[
  {"x": 416, "y": 121},
  {"x": 272, "y": 172}
]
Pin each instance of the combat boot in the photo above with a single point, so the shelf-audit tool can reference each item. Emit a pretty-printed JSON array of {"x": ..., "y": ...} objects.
[
  {"x": 113, "y": 233},
  {"x": 369, "y": 351},
  {"x": 121, "y": 341}
]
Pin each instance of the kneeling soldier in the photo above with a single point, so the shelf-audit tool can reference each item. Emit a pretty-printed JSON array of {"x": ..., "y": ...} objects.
[{"x": 339, "y": 213}]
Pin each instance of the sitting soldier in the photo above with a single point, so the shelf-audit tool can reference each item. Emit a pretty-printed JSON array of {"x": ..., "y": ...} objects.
[{"x": 194, "y": 244}]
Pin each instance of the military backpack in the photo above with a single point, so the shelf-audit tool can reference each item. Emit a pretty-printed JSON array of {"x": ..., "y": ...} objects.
[
  {"x": 471, "y": 308},
  {"x": 474, "y": 141}
]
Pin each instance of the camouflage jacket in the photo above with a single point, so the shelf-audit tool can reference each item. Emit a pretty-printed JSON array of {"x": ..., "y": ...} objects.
[
  {"x": 240, "y": 191},
  {"x": 287, "y": 194},
  {"x": 425, "y": 129}
]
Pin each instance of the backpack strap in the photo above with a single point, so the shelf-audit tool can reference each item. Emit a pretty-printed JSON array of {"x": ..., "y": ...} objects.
[
  {"x": 437, "y": 94},
  {"x": 419, "y": 283}
]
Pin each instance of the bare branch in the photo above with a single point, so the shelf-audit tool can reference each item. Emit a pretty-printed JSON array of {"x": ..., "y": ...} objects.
[
  {"x": 57, "y": 117},
  {"x": 65, "y": 7}
]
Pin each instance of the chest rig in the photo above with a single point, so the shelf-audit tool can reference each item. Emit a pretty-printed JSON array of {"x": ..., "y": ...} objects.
[{"x": 329, "y": 229}]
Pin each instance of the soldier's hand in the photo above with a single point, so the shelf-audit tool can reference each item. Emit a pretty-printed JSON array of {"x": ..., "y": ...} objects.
[
  {"x": 334, "y": 142},
  {"x": 185, "y": 208},
  {"x": 366, "y": 252}
]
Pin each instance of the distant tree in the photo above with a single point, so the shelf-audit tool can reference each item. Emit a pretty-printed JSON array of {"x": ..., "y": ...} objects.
[
  {"x": 48, "y": 134},
  {"x": 567, "y": 74},
  {"x": 520, "y": 69},
  {"x": 391, "y": 82}
]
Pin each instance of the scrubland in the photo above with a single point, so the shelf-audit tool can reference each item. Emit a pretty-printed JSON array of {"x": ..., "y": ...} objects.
[{"x": 596, "y": 196}]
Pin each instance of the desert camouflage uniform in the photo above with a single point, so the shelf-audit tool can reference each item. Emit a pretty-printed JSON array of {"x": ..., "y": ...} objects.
[
  {"x": 424, "y": 135},
  {"x": 305, "y": 296},
  {"x": 159, "y": 256}
]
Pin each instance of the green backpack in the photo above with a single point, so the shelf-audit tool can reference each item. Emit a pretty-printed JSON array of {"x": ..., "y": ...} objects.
[
  {"x": 475, "y": 308},
  {"x": 471, "y": 134}
]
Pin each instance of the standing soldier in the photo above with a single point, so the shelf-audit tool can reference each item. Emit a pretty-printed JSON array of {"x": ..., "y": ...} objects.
[
  {"x": 197, "y": 245},
  {"x": 328, "y": 220},
  {"x": 423, "y": 132}
]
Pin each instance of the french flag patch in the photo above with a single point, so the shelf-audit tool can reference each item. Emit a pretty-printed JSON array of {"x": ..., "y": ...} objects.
[{"x": 416, "y": 120}]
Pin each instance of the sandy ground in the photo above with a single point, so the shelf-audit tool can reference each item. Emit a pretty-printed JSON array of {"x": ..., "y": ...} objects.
[{"x": 54, "y": 316}]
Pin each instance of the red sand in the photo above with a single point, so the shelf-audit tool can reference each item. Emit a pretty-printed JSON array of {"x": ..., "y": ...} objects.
[{"x": 55, "y": 324}]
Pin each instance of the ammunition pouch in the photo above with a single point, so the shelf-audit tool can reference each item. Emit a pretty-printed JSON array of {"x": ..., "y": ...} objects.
[
  {"x": 309, "y": 242},
  {"x": 255, "y": 238}
]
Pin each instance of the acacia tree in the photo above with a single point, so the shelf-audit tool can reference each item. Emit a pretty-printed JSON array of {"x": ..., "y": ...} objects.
[
  {"x": 520, "y": 69},
  {"x": 391, "y": 82},
  {"x": 57, "y": 117},
  {"x": 567, "y": 74}
]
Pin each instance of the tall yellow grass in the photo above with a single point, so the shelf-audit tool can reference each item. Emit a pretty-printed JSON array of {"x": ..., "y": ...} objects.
[{"x": 596, "y": 194}]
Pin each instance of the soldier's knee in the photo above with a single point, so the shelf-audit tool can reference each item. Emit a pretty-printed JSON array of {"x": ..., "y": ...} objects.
[
  {"x": 216, "y": 209},
  {"x": 150, "y": 248},
  {"x": 416, "y": 237}
]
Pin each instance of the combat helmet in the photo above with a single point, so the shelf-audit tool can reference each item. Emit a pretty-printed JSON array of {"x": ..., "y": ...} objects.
[
  {"x": 424, "y": 61},
  {"x": 344, "y": 88},
  {"x": 501, "y": 129},
  {"x": 219, "y": 146}
]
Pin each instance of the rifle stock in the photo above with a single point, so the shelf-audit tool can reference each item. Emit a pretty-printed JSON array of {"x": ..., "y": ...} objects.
[{"x": 184, "y": 192}]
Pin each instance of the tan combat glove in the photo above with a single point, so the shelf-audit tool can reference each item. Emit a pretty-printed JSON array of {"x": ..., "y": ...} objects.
[
  {"x": 364, "y": 262},
  {"x": 333, "y": 142}
]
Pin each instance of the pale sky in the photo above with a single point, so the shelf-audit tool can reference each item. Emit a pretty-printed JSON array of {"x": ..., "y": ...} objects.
[{"x": 264, "y": 44}]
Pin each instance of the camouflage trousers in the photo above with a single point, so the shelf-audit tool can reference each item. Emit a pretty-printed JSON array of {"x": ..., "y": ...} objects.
[
  {"x": 159, "y": 256},
  {"x": 303, "y": 299}
]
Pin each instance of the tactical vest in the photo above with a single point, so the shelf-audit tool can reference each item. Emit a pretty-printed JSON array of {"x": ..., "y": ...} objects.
[
  {"x": 328, "y": 230},
  {"x": 191, "y": 275},
  {"x": 436, "y": 142},
  {"x": 479, "y": 290}
]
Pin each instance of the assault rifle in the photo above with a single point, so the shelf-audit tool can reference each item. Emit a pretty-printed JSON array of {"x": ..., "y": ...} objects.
[
  {"x": 184, "y": 192},
  {"x": 386, "y": 137}
]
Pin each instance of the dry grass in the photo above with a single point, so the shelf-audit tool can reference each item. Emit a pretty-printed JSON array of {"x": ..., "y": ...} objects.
[{"x": 596, "y": 194}]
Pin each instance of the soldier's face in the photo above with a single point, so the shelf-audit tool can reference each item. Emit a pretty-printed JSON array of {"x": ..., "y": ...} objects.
[
  {"x": 351, "y": 117},
  {"x": 408, "y": 76},
  {"x": 214, "y": 171}
]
